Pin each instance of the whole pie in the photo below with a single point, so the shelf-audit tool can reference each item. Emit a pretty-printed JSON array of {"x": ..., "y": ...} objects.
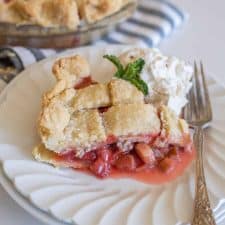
[
  {"x": 51, "y": 13},
  {"x": 106, "y": 127}
]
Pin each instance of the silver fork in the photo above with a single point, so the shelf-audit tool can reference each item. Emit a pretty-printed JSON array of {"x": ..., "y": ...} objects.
[{"x": 198, "y": 113}]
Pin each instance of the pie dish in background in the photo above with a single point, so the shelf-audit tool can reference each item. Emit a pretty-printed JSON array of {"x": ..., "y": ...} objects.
[{"x": 35, "y": 24}]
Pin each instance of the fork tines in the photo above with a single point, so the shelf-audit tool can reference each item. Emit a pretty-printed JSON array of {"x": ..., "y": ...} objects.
[{"x": 198, "y": 112}]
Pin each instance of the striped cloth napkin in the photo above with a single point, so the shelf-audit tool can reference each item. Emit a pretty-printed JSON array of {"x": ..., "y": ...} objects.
[{"x": 153, "y": 21}]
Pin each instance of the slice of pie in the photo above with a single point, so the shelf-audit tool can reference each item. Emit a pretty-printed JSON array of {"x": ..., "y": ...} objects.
[{"x": 104, "y": 127}]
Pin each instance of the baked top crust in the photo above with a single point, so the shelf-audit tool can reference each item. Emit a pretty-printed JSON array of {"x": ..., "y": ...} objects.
[
  {"x": 8, "y": 14},
  {"x": 53, "y": 120},
  {"x": 85, "y": 129},
  {"x": 49, "y": 13},
  {"x": 131, "y": 119},
  {"x": 173, "y": 128},
  {"x": 71, "y": 69},
  {"x": 94, "y": 10},
  {"x": 52, "y": 13},
  {"x": 94, "y": 96},
  {"x": 123, "y": 92},
  {"x": 56, "y": 13}
]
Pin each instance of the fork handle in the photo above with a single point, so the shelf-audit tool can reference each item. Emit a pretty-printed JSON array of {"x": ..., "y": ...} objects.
[{"x": 203, "y": 214}]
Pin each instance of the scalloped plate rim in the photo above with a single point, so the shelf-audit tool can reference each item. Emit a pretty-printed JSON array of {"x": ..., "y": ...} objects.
[{"x": 25, "y": 203}]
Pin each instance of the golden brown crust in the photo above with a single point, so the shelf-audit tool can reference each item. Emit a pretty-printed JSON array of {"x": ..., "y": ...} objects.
[
  {"x": 71, "y": 69},
  {"x": 56, "y": 13},
  {"x": 79, "y": 3},
  {"x": 42, "y": 154},
  {"x": 131, "y": 119},
  {"x": 52, "y": 122},
  {"x": 173, "y": 127},
  {"x": 55, "y": 115},
  {"x": 94, "y": 96},
  {"x": 94, "y": 10},
  {"x": 48, "y": 13},
  {"x": 55, "y": 91},
  {"x": 12, "y": 13},
  {"x": 60, "y": 129},
  {"x": 85, "y": 129},
  {"x": 124, "y": 92}
]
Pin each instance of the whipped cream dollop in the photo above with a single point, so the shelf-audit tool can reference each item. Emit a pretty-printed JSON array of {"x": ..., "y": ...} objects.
[{"x": 168, "y": 78}]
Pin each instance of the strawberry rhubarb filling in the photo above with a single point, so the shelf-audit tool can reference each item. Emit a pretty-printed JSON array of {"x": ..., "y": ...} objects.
[
  {"x": 141, "y": 158},
  {"x": 84, "y": 82}
]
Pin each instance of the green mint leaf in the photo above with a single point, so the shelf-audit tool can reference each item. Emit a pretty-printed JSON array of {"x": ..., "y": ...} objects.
[
  {"x": 131, "y": 73},
  {"x": 141, "y": 85},
  {"x": 115, "y": 60},
  {"x": 134, "y": 69}
]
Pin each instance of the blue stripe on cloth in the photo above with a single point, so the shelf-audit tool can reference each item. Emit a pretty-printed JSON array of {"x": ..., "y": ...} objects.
[
  {"x": 111, "y": 40},
  {"x": 145, "y": 38},
  {"x": 161, "y": 12},
  {"x": 37, "y": 53},
  {"x": 157, "y": 13},
  {"x": 172, "y": 6},
  {"x": 148, "y": 25},
  {"x": 121, "y": 38}
]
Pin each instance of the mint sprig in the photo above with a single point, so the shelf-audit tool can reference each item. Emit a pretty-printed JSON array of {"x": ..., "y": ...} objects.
[{"x": 130, "y": 73}]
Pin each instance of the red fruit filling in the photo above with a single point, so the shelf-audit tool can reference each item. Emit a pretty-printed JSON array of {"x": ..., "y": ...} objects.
[
  {"x": 125, "y": 156},
  {"x": 84, "y": 82},
  {"x": 103, "y": 109}
]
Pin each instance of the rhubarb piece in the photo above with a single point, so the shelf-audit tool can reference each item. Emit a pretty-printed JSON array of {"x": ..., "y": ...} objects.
[
  {"x": 145, "y": 152},
  {"x": 126, "y": 163},
  {"x": 166, "y": 165},
  {"x": 100, "y": 168}
]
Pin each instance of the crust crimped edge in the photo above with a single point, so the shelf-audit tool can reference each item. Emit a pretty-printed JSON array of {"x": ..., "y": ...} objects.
[{"x": 71, "y": 69}]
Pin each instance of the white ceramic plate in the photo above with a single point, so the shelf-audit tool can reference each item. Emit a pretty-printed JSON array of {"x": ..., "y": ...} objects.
[{"x": 62, "y": 195}]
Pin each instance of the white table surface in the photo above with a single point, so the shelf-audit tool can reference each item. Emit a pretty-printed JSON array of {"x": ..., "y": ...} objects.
[{"x": 203, "y": 37}]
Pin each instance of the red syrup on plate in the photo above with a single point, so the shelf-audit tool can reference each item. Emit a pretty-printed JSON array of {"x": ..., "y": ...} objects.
[{"x": 156, "y": 175}]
